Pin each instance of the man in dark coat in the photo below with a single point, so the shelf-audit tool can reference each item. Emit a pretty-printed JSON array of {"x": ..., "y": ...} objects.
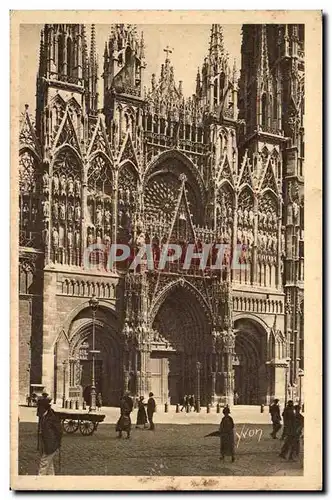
[
  {"x": 275, "y": 418},
  {"x": 151, "y": 408},
  {"x": 50, "y": 437},
  {"x": 298, "y": 429},
  {"x": 289, "y": 430},
  {"x": 287, "y": 416}
]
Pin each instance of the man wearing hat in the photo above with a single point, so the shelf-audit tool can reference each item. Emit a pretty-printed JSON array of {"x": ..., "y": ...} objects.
[
  {"x": 50, "y": 436},
  {"x": 151, "y": 408}
]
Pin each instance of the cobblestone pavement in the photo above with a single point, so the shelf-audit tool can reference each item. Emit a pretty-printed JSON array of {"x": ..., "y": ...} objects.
[{"x": 171, "y": 450}]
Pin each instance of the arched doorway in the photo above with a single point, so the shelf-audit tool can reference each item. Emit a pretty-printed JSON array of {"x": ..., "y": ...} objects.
[
  {"x": 76, "y": 373},
  {"x": 250, "y": 381},
  {"x": 181, "y": 338}
]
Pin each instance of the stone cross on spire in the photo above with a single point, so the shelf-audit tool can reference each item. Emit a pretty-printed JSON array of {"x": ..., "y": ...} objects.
[{"x": 168, "y": 51}]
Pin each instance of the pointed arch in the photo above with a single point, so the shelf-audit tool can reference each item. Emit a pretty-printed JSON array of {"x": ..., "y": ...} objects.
[
  {"x": 66, "y": 134},
  {"x": 180, "y": 284}
]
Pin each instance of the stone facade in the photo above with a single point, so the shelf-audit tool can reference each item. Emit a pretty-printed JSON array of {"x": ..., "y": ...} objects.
[{"x": 223, "y": 166}]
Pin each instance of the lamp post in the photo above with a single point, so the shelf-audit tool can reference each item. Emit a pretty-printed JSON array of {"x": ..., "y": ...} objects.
[
  {"x": 64, "y": 363},
  {"x": 286, "y": 379},
  {"x": 300, "y": 374},
  {"x": 94, "y": 303},
  {"x": 198, "y": 402}
]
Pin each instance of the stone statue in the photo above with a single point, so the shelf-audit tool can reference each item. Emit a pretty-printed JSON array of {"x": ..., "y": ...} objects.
[
  {"x": 70, "y": 211},
  {"x": 77, "y": 212},
  {"x": 77, "y": 188},
  {"x": 240, "y": 216},
  {"x": 99, "y": 216},
  {"x": 55, "y": 210},
  {"x": 55, "y": 184},
  {"x": 98, "y": 238},
  {"x": 63, "y": 185},
  {"x": 245, "y": 216},
  {"x": 62, "y": 211},
  {"x": 70, "y": 237},
  {"x": 89, "y": 238},
  {"x": 45, "y": 182},
  {"x": 296, "y": 213},
  {"x": 107, "y": 216},
  {"x": 46, "y": 208},
  {"x": 55, "y": 238},
  {"x": 77, "y": 240},
  {"x": 70, "y": 187},
  {"x": 251, "y": 217}
]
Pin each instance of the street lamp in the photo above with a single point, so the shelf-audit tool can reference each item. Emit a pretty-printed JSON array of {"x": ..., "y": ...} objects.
[
  {"x": 64, "y": 384},
  {"x": 94, "y": 303},
  {"x": 198, "y": 402},
  {"x": 300, "y": 374},
  {"x": 286, "y": 379}
]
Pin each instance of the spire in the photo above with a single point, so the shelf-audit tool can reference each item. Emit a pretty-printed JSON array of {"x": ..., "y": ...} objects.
[
  {"x": 263, "y": 53},
  {"x": 198, "y": 82},
  {"x": 216, "y": 49},
  {"x": 93, "y": 72},
  {"x": 142, "y": 47}
]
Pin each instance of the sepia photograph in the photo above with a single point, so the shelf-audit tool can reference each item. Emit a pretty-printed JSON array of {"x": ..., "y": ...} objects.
[{"x": 159, "y": 189}]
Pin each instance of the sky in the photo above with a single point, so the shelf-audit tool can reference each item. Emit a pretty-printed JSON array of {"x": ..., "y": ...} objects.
[{"x": 189, "y": 43}]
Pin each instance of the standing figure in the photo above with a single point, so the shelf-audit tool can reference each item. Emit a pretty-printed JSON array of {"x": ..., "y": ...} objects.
[
  {"x": 184, "y": 402},
  {"x": 124, "y": 422},
  {"x": 63, "y": 185},
  {"x": 45, "y": 182},
  {"x": 289, "y": 431},
  {"x": 298, "y": 429},
  {"x": 50, "y": 436},
  {"x": 275, "y": 418},
  {"x": 151, "y": 408},
  {"x": 287, "y": 416},
  {"x": 192, "y": 402},
  {"x": 142, "y": 419},
  {"x": 70, "y": 187},
  {"x": 227, "y": 435},
  {"x": 99, "y": 401}
]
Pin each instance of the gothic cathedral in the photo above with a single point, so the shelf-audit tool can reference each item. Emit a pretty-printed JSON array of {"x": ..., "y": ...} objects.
[{"x": 225, "y": 165}]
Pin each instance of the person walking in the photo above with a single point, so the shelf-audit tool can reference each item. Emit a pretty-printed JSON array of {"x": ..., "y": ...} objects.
[
  {"x": 275, "y": 418},
  {"x": 151, "y": 408},
  {"x": 287, "y": 416},
  {"x": 142, "y": 419},
  {"x": 226, "y": 430},
  {"x": 124, "y": 422},
  {"x": 49, "y": 438},
  {"x": 184, "y": 402},
  {"x": 192, "y": 403}
]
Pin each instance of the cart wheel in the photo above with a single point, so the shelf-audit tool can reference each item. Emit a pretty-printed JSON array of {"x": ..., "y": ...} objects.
[
  {"x": 70, "y": 425},
  {"x": 87, "y": 427}
]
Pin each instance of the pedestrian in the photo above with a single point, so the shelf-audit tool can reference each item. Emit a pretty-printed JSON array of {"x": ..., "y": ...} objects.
[
  {"x": 151, "y": 408},
  {"x": 236, "y": 398},
  {"x": 298, "y": 429},
  {"x": 290, "y": 431},
  {"x": 184, "y": 402},
  {"x": 142, "y": 419},
  {"x": 227, "y": 435},
  {"x": 50, "y": 436},
  {"x": 124, "y": 422},
  {"x": 275, "y": 418},
  {"x": 99, "y": 401},
  {"x": 192, "y": 402},
  {"x": 287, "y": 416}
]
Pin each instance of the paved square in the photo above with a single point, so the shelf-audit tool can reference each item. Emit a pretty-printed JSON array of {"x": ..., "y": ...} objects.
[{"x": 170, "y": 450}]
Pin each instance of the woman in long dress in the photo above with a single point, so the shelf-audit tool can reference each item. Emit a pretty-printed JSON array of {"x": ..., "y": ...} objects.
[
  {"x": 124, "y": 422},
  {"x": 142, "y": 419},
  {"x": 227, "y": 435}
]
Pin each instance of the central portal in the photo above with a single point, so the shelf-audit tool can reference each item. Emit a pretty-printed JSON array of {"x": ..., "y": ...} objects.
[{"x": 180, "y": 339}]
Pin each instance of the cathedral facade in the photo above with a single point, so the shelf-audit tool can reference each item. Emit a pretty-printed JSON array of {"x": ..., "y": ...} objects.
[{"x": 224, "y": 166}]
